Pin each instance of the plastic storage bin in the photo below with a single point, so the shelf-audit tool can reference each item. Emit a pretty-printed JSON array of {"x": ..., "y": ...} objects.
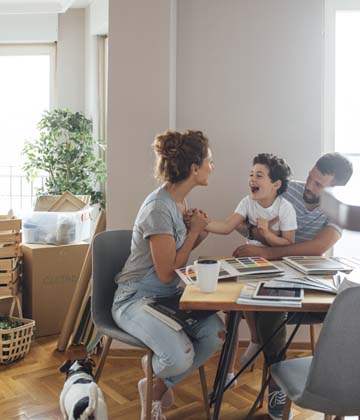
[{"x": 57, "y": 228}]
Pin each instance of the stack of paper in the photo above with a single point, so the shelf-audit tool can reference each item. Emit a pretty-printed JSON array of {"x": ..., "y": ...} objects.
[
  {"x": 305, "y": 282},
  {"x": 247, "y": 298}
]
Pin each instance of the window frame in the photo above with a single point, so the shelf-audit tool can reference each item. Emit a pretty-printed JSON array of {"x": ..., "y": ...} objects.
[
  {"x": 331, "y": 7},
  {"x": 36, "y": 49},
  {"x": 49, "y": 49}
]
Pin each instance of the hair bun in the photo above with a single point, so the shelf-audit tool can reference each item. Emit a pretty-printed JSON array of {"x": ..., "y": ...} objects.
[{"x": 167, "y": 144}]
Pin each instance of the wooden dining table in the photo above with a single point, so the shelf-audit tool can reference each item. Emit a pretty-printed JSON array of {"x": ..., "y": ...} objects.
[{"x": 224, "y": 299}]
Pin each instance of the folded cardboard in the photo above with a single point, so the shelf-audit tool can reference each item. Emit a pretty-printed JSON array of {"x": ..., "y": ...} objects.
[
  {"x": 50, "y": 276},
  {"x": 47, "y": 202}
]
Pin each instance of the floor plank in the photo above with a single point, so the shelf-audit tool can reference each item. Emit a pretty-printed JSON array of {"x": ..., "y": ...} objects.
[{"x": 30, "y": 388}]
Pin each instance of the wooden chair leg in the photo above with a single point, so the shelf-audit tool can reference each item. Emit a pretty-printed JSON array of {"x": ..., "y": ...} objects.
[
  {"x": 265, "y": 372},
  {"x": 149, "y": 384},
  {"x": 313, "y": 338},
  {"x": 103, "y": 356},
  {"x": 287, "y": 409},
  {"x": 204, "y": 391}
]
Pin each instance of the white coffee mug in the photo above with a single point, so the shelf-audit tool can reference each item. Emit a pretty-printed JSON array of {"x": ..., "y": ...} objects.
[{"x": 207, "y": 274}]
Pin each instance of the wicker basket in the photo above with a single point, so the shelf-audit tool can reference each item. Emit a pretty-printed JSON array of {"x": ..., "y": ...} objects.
[{"x": 15, "y": 342}]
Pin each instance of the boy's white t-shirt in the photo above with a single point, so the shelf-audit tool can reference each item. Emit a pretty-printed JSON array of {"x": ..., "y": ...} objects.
[{"x": 282, "y": 208}]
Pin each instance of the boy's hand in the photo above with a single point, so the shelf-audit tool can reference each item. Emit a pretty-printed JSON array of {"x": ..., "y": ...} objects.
[{"x": 263, "y": 225}]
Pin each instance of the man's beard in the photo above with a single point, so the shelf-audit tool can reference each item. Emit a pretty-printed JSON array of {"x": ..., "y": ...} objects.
[{"x": 310, "y": 198}]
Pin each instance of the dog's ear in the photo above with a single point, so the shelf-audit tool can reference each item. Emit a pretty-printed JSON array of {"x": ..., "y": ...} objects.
[
  {"x": 65, "y": 366},
  {"x": 89, "y": 365}
]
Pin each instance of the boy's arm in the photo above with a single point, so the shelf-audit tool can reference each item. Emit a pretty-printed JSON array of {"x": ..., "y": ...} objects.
[
  {"x": 226, "y": 226},
  {"x": 286, "y": 238},
  {"x": 272, "y": 239},
  {"x": 324, "y": 240}
]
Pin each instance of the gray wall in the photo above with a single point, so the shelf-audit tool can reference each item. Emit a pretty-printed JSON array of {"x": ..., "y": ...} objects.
[
  {"x": 70, "y": 80},
  {"x": 138, "y": 101},
  {"x": 249, "y": 74}
]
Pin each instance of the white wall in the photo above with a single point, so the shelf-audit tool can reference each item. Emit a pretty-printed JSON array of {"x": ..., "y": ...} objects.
[
  {"x": 249, "y": 74},
  {"x": 28, "y": 28},
  {"x": 70, "y": 60}
]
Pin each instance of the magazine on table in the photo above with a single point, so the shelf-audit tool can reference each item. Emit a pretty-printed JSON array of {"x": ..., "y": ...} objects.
[
  {"x": 244, "y": 267},
  {"x": 317, "y": 265},
  {"x": 167, "y": 310}
]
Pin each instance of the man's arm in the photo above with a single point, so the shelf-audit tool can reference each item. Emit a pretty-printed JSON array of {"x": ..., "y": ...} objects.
[{"x": 324, "y": 240}]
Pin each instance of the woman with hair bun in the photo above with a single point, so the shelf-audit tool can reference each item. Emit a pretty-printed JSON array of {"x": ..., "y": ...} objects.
[{"x": 161, "y": 243}]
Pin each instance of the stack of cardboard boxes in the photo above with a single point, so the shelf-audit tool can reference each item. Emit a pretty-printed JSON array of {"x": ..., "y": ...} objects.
[{"x": 51, "y": 271}]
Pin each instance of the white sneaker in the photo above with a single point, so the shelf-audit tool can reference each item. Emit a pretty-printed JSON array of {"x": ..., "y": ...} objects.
[
  {"x": 229, "y": 378},
  {"x": 249, "y": 353},
  {"x": 156, "y": 410},
  {"x": 167, "y": 399}
]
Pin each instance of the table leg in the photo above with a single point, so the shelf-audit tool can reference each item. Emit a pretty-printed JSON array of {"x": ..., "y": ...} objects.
[{"x": 225, "y": 359}]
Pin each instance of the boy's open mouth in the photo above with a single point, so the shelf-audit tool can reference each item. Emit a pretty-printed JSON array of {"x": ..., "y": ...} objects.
[{"x": 254, "y": 189}]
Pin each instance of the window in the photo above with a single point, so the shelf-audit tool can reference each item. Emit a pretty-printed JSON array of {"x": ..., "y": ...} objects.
[
  {"x": 342, "y": 93},
  {"x": 27, "y": 90}
]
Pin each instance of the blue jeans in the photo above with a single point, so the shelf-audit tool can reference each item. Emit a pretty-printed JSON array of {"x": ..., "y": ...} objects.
[{"x": 176, "y": 354}]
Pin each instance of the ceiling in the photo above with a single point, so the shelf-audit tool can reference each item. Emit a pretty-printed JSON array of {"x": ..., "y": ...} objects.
[{"x": 39, "y": 6}]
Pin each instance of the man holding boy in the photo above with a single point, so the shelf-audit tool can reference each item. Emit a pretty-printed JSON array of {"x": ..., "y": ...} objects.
[{"x": 314, "y": 236}]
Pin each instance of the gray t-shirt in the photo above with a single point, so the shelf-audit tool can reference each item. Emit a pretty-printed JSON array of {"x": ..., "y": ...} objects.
[
  {"x": 159, "y": 214},
  {"x": 309, "y": 222}
]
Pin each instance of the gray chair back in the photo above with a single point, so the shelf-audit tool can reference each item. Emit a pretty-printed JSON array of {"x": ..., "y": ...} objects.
[
  {"x": 110, "y": 252},
  {"x": 334, "y": 374}
]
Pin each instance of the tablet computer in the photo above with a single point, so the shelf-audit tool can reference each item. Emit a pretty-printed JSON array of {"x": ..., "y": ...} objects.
[{"x": 277, "y": 293}]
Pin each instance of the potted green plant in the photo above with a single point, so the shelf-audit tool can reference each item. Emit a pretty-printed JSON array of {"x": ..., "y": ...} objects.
[{"x": 65, "y": 150}]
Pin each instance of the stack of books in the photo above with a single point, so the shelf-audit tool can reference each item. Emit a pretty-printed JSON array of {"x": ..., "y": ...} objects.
[
  {"x": 276, "y": 292},
  {"x": 249, "y": 295},
  {"x": 167, "y": 310}
]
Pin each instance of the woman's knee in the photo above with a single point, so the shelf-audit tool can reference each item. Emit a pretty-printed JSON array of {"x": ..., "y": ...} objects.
[
  {"x": 212, "y": 331},
  {"x": 177, "y": 361}
]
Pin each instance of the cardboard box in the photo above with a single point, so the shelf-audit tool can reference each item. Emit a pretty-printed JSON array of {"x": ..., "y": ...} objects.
[{"x": 50, "y": 276}]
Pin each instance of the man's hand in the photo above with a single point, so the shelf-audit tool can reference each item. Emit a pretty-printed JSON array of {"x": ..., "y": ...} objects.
[{"x": 250, "y": 251}]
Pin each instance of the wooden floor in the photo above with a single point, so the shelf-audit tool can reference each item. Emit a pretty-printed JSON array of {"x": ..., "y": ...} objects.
[{"x": 30, "y": 388}]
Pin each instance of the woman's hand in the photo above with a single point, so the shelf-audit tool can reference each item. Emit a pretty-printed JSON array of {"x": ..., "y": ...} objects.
[
  {"x": 198, "y": 221},
  {"x": 189, "y": 213}
]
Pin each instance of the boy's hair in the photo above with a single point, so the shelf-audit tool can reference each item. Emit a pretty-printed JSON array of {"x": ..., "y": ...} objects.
[
  {"x": 337, "y": 165},
  {"x": 278, "y": 169}
]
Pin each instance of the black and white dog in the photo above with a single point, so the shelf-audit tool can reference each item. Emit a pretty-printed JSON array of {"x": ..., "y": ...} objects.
[{"x": 81, "y": 398}]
